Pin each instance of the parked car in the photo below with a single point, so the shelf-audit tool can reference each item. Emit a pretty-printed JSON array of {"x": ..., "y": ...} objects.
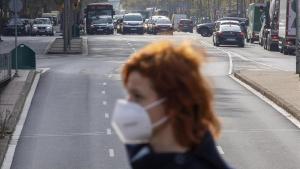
[
  {"x": 185, "y": 25},
  {"x": 102, "y": 25},
  {"x": 229, "y": 35},
  {"x": 9, "y": 28},
  {"x": 205, "y": 29},
  {"x": 42, "y": 26},
  {"x": 132, "y": 23},
  {"x": 163, "y": 26}
]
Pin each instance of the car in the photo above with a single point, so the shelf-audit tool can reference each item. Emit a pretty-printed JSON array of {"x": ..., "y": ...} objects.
[
  {"x": 9, "y": 28},
  {"x": 102, "y": 25},
  {"x": 205, "y": 29},
  {"x": 151, "y": 23},
  {"x": 243, "y": 22},
  {"x": 163, "y": 26},
  {"x": 42, "y": 26},
  {"x": 186, "y": 25},
  {"x": 229, "y": 35},
  {"x": 132, "y": 23}
]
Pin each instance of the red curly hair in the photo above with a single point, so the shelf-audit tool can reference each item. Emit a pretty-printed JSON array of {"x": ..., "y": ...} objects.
[{"x": 175, "y": 74}]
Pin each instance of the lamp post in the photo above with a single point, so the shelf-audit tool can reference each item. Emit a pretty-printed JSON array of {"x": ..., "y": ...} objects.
[{"x": 298, "y": 37}]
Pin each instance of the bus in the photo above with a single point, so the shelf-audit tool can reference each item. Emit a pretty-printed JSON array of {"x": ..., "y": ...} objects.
[{"x": 94, "y": 10}]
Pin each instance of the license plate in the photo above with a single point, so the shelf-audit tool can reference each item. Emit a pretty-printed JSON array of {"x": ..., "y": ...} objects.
[
  {"x": 133, "y": 29},
  {"x": 100, "y": 29},
  {"x": 230, "y": 39}
]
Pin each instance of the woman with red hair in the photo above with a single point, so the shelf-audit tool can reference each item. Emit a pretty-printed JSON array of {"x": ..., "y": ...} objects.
[{"x": 168, "y": 121}]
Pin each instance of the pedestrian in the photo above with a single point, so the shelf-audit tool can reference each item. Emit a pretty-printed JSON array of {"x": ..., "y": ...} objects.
[{"x": 168, "y": 120}]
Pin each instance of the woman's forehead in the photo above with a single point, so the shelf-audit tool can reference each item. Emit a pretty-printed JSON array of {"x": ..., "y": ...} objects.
[{"x": 137, "y": 82}]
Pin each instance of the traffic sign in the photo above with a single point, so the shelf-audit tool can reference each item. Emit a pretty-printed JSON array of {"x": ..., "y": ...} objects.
[{"x": 18, "y": 7}]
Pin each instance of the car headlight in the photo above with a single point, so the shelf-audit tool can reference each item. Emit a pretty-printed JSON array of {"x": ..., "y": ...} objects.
[
  {"x": 48, "y": 27},
  {"x": 34, "y": 27},
  {"x": 92, "y": 26}
]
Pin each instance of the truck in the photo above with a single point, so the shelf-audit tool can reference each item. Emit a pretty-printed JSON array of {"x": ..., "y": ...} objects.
[
  {"x": 287, "y": 27},
  {"x": 269, "y": 31},
  {"x": 256, "y": 18}
]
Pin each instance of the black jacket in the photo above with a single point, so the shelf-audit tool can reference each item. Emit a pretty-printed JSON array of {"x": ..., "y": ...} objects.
[{"x": 205, "y": 156}]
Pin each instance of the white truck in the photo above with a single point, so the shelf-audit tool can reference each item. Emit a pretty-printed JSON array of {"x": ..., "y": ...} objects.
[
  {"x": 287, "y": 26},
  {"x": 176, "y": 18}
]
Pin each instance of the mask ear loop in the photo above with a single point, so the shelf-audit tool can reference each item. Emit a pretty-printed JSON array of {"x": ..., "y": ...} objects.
[{"x": 154, "y": 104}]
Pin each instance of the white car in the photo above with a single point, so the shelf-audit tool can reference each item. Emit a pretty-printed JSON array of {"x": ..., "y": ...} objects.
[{"x": 42, "y": 26}]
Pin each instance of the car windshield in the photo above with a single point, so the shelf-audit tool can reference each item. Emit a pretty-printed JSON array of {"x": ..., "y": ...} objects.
[
  {"x": 102, "y": 21},
  {"x": 18, "y": 21},
  {"x": 233, "y": 28},
  {"x": 133, "y": 18},
  {"x": 185, "y": 22},
  {"x": 163, "y": 21},
  {"x": 42, "y": 21}
]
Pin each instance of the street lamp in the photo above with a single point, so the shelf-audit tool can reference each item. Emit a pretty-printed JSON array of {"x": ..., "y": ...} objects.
[{"x": 298, "y": 38}]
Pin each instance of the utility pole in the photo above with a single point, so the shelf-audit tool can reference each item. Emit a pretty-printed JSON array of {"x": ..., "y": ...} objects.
[
  {"x": 66, "y": 25},
  {"x": 298, "y": 38}
]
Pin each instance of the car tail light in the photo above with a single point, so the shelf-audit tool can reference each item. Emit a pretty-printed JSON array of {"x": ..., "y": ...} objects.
[
  {"x": 275, "y": 37},
  {"x": 289, "y": 42},
  {"x": 220, "y": 33}
]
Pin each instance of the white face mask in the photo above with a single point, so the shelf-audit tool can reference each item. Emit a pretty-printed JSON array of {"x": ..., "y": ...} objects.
[{"x": 132, "y": 123}]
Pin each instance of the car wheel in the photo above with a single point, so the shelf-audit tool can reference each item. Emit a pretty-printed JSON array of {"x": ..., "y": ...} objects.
[
  {"x": 285, "y": 51},
  {"x": 204, "y": 32},
  {"x": 242, "y": 45}
]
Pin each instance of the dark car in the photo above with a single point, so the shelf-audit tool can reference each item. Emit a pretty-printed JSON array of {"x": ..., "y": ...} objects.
[
  {"x": 163, "y": 26},
  {"x": 9, "y": 29},
  {"x": 243, "y": 22},
  {"x": 205, "y": 29},
  {"x": 132, "y": 23},
  {"x": 186, "y": 25},
  {"x": 102, "y": 25},
  {"x": 229, "y": 35}
]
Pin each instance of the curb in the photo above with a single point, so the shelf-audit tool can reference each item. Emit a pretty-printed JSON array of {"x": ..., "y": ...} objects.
[
  {"x": 18, "y": 109},
  {"x": 270, "y": 95}
]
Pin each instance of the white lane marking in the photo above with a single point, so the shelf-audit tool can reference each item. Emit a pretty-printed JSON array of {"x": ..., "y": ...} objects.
[
  {"x": 220, "y": 150},
  {"x": 43, "y": 70},
  {"x": 111, "y": 152},
  {"x": 16, "y": 134},
  {"x": 134, "y": 49},
  {"x": 104, "y": 103},
  {"x": 103, "y": 92},
  {"x": 106, "y": 115},
  {"x": 268, "y": 101},
  {"x": 108, "y": 131},
  {"x": 230, "y": 64},
  {"x": 242, "y": 57},
  {"x": 104, "y": 84},
  {"x": 110, "y": 76}
]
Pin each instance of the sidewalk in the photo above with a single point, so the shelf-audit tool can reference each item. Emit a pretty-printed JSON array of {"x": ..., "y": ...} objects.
[
  {"x": 283, "y": 88},
  {"x": 12, "y": 98}
]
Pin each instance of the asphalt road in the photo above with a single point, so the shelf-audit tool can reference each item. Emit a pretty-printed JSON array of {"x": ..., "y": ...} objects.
[{"x": 68, "y": 126}]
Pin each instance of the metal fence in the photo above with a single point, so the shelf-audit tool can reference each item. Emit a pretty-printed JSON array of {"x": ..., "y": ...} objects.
[{"x": 5, "y": 67}]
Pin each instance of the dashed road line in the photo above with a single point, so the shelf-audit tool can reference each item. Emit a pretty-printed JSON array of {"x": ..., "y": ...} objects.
[
  {"x": 111, "y": 152},
  {"x": 106, "y": 115},
  {"x": 108, "y": 131}
]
